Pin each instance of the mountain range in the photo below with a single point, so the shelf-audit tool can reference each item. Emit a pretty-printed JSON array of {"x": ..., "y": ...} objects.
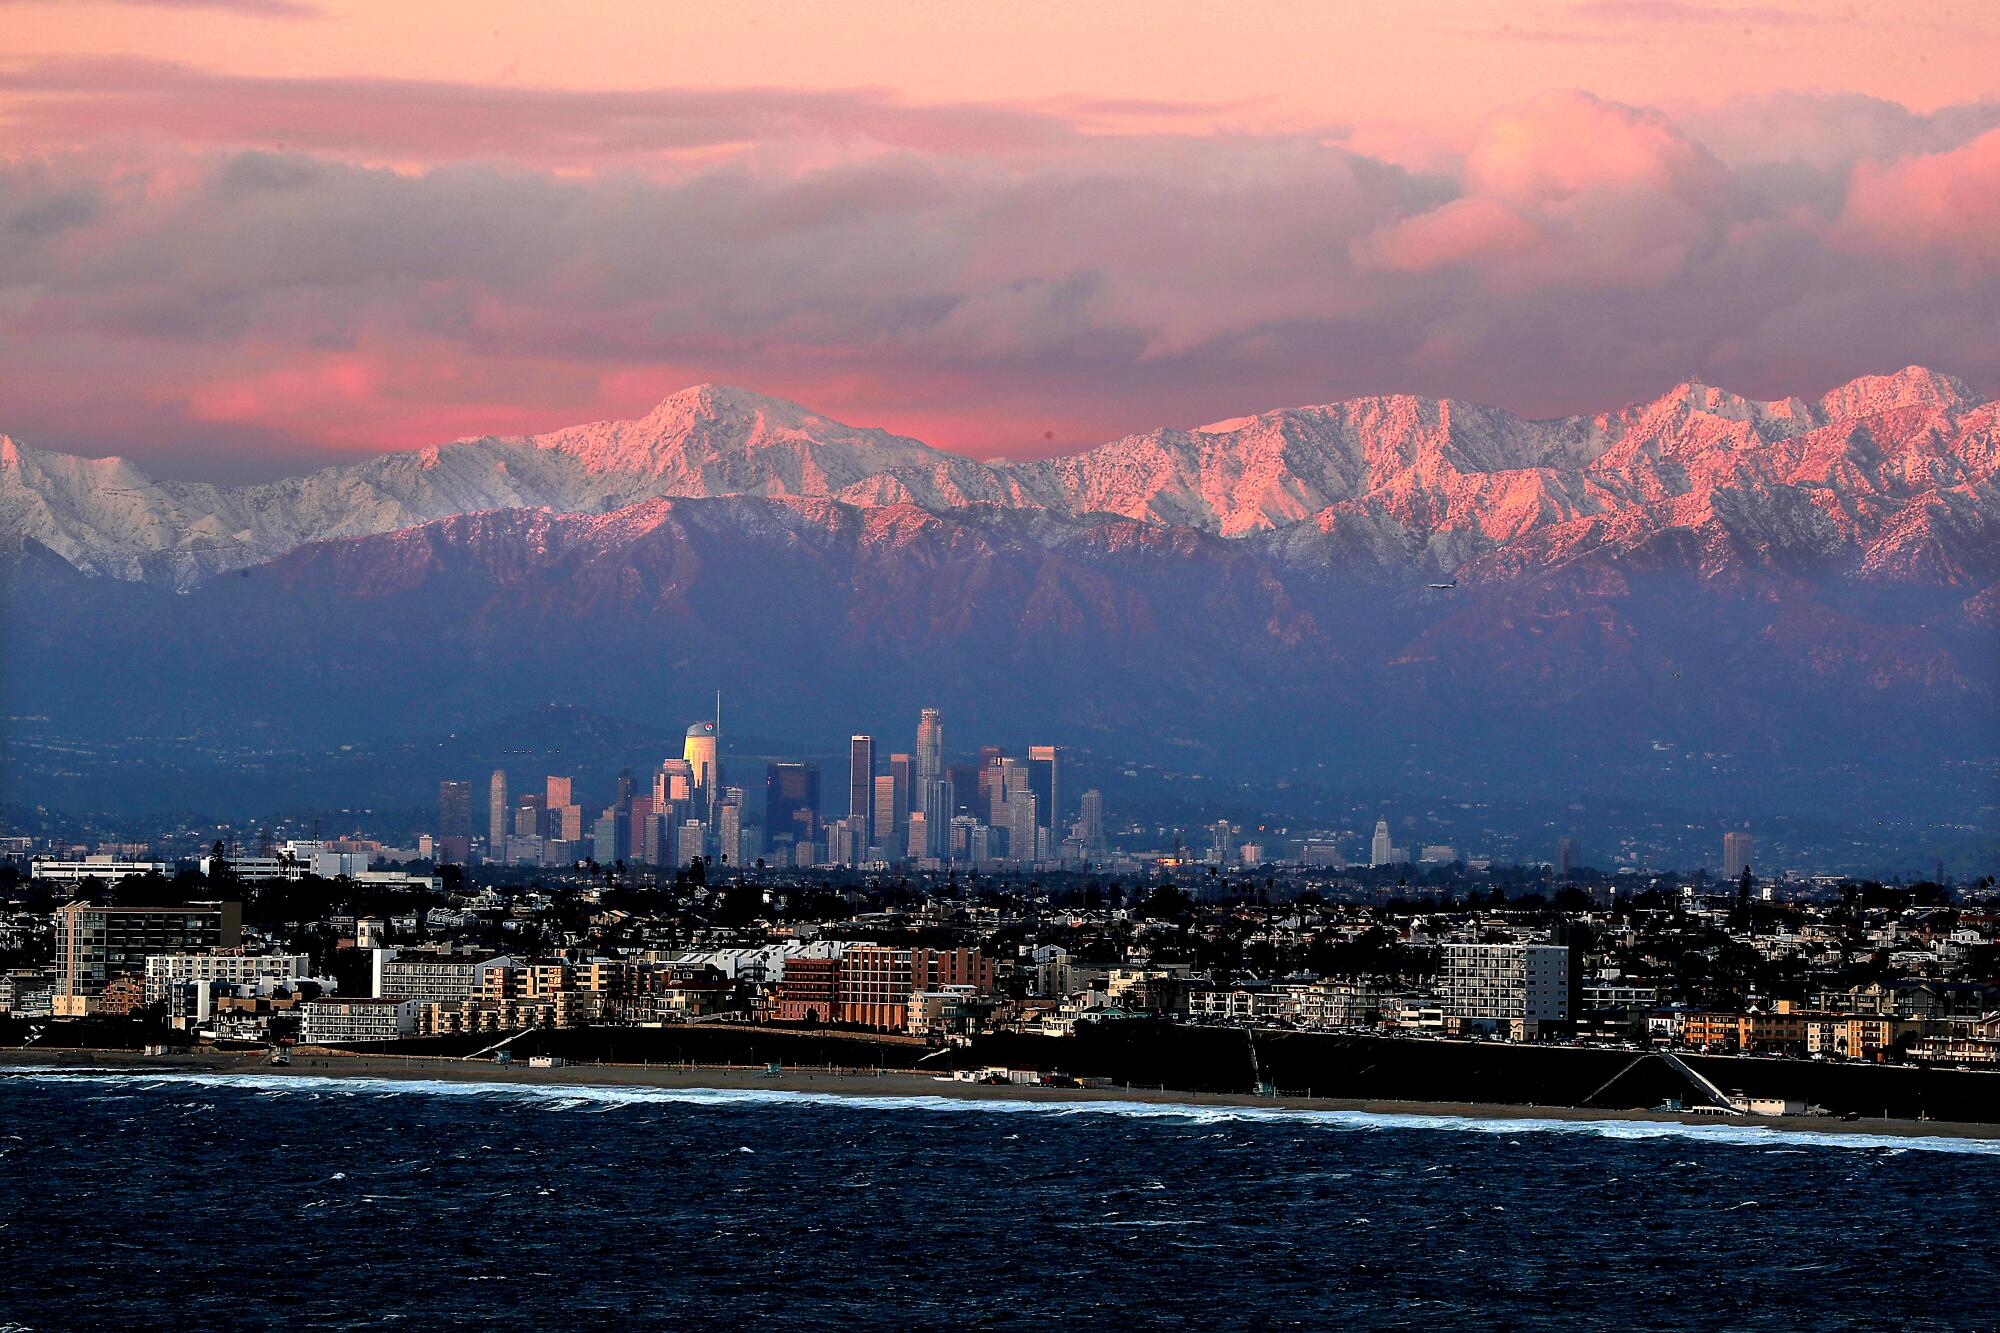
[
  {"x": 1891, "y": 476},
  {"x": 1737, "y": 605}
]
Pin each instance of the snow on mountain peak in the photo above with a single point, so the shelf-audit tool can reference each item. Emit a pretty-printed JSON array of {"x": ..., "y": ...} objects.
[{"x": 1912, "y": 386}]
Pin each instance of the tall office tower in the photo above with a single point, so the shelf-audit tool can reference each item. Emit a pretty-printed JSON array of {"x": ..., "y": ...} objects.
[
  {"x": 1565, "y": 855},
  {"x": 690, "y": 841},
  {"x": 673, "y": 784},
  {"x": 531, "y": 815},
  {"x": 930, "y": 747},
  {"x": 938, "y": 811},
  {"x": 729, "y": 827},
  {"x": 1045, "y": 780},
  {"x": 496, "y": 811},
  {"x": 919, "y": 845},
  {"x": 980, "y": 844},
  {"x": 454, "y": 810},
  {"x": 566, "y": 822},
  {"x": 992, "y": 788},
  {"x": 861, "y": 778},
  {"x": 882, "y": 828},
  {"x": 1735, "y": 854},
  {"x": 1022, "y": 826},
  {"x": 628, "y": 786},
  {"x": 1221, "y": 842},
  {"x": 1091, "y": 821},
  {"x": 604, "y": 838},
  {"x": 1382, "y": 850},
  {"x": 903, "y": 769},
  {"x": 958, "y": 845},
  {"x": 638, "y": 814},
  {"x": 964, "y": 788},
  {"x": 703, "y": 753},
  {"x": 791, "y": 804},
  {"x": 559, "y": 791}
]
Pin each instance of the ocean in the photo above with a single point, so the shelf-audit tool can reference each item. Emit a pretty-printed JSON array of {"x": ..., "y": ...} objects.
[{"x": 148, "y": 1200}]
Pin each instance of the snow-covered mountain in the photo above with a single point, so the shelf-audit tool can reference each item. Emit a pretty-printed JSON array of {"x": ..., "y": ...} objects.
[{"x": 1892, "y": 477}]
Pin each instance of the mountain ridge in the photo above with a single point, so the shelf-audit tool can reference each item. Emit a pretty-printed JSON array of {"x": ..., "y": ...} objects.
[{"x": 1905, "y": 462}]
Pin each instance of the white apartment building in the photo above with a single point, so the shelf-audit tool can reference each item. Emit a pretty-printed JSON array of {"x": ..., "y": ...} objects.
[
  {"x": 164, "y": 971},
  {"x": 335, "y": 1022},
  {"x": 1514, "y": 988}
]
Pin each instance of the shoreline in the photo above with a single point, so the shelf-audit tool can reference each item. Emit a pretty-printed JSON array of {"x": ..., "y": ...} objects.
[{"x": 862, "y": 1085}]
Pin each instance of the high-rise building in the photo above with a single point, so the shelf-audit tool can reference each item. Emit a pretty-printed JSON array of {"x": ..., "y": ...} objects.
[
  {"x": 1382, "y": 851},
  {"x": 454, "y": 836},
  {"x": 1221, "y": 842},
  {"x": 673, "y": 783},
  {"x": 903, "y": 771},
  {"x": 964, "y": 788},
  {"x": 96, "y": 945},
  {"x": 884, "y": 824},
  {"x": 703, "y": 753},
  {"x": 1521, "y": 986},
  {"x": 531, "y": 815},
  {"x": 791, "y": 804},
  {"x": 1091, "y": 823},
  {"x": 920, "y": 836},
  {"x": 1735, "y": 854},
  {"x": 938, "y": 809},
  {"x": 861, "y": 778},
  {"x": 930, "y": 747},
  {"x": 559, "y": 791},
  {"x": 1045, "y": 781},
  {"x": 497, "y": 810},
  {"x": 1023, "y": 827},
  {"x": 642, "y": 836},
  {"x": 1565, "y": 858},
  {"x": 729, "y": 827}
]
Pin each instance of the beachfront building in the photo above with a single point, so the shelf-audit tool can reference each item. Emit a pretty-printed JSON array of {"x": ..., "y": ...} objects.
[
  {"x": 1516, "y": 990},
  {"x": 332, "y": 1021}
]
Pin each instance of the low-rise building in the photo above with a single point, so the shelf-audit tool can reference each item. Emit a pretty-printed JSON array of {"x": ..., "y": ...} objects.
[{"x": 338, "y": 1021}]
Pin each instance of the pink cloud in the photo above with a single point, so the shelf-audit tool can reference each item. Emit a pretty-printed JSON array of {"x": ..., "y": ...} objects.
[
  {"x": 1945, "y": 204},
  {"x": 1028, "y": 286}
]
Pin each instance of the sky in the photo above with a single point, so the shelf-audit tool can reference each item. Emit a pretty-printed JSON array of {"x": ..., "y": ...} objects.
[{"x": 245, "y": 237}]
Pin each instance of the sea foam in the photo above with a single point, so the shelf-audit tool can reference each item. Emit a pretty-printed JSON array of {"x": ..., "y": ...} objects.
[{"x": 598, "y": 1098}]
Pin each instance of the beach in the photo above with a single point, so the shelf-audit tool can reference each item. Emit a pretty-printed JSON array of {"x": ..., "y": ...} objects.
[{"x": 894, "y": 1084}]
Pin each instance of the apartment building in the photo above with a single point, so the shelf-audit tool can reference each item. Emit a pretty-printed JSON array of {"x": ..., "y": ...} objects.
[
  {"x": 335, "y": 1021},
  {"x": 1516, "y": 989},
  {"x": 97, "y": 945}
]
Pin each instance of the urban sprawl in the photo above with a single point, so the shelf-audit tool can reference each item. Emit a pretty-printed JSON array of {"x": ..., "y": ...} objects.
[{"x": 949, "y": 900}]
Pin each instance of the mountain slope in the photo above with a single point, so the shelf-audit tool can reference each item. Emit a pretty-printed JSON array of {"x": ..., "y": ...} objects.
[
  {"x": 1893, "y": 476},
  {"x": 1625, "y": 670}
]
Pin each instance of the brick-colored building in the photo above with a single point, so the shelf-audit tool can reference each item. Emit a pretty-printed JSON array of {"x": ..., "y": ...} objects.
[
  {"x": 810, "y": 991},
  {"x": 876, "y": 980}
]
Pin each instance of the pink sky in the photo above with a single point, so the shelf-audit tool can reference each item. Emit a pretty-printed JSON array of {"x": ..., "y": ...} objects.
[{"x": 241, "y": 235}]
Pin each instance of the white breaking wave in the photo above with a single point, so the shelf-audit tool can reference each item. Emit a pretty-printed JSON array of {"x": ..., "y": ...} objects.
[{"x": 598, "y": 1098}]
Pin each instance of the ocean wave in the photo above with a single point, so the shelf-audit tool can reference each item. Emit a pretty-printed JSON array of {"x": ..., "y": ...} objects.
[{"x": 599, "y": 1098}]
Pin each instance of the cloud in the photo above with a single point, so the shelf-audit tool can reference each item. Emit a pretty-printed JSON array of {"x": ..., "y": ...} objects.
[
  {"x": 1568, "y": 190},
  {"x": 66, "y": 102},
  {"x": 1001, "y": 279},
  {"x": 1944, "y": 206},
  {"x": 277, "y": 9}
]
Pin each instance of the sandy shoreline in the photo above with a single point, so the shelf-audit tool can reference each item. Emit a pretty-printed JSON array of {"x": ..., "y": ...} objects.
[{"x": 872, "y": 1083}]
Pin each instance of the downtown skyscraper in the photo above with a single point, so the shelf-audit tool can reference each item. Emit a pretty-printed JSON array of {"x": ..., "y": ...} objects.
[{"x": 861, "y": 780}]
